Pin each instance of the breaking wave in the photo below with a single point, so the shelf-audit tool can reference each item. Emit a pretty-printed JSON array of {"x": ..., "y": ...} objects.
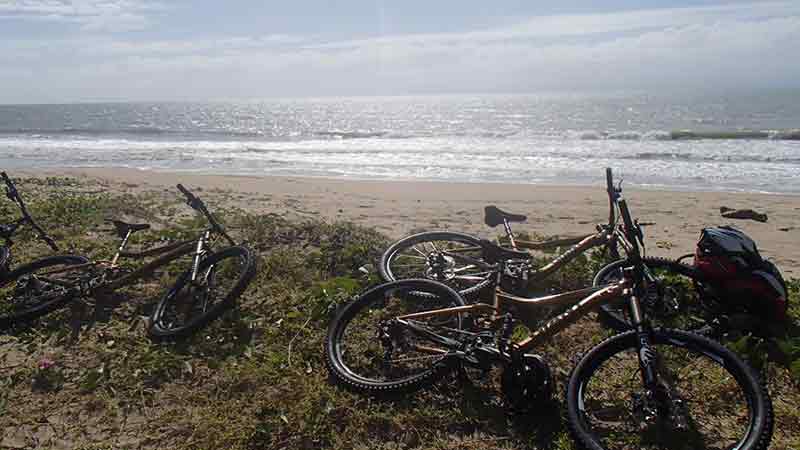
[{"x": 680, "y": 135}]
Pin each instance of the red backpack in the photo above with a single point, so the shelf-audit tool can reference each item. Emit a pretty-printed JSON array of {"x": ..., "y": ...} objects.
[{"x": 730, "y": 262}]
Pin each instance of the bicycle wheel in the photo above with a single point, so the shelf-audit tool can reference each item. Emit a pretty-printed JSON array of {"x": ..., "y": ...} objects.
[
  {"x": 37, "y": 288},
  {"x": 369, "y": 352},
  {"x": 711, "y": 398},
  {"x": 190, "y": 305},
  {"x": 455, "y": 259},
  {"x": 679, "y": 300}
]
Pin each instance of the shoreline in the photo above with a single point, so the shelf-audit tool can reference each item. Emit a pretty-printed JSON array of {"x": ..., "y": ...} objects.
[
  {"x": 627, "y": 186},
  {"x": 398, "y": 208}
]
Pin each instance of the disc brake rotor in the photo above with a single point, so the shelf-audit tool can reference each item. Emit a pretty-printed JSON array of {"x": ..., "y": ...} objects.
[{"x": 440, "y": 267}]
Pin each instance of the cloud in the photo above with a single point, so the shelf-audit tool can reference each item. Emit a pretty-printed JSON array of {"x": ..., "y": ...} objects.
[
  {"x": 741, "y": 46},
  {"x": 90, "y": 15}
]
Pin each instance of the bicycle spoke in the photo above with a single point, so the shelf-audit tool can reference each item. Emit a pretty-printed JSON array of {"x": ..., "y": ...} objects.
[
  {"x": 442, "y": 256},
  {"x": 423, "y": 254},
  {"x": 613, "y": 403},
  {"x": 407, "y": 266},
  {"x": 412, "y": 256}
]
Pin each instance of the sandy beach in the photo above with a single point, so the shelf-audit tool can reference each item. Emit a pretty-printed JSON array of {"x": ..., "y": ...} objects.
[{"x": 397, "y": 208}]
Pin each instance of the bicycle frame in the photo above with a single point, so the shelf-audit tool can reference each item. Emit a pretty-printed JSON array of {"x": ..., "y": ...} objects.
[
  {"x": 582, "y": 302},
  {"x": 168, "y": 253},
  {"x": 579, "y": 303},
  {"x": 602, "y": 237},
  {"x": 606, "y": 234},
  {"x": 598, "y": 239},
  {"x": 613, "y": 194}
]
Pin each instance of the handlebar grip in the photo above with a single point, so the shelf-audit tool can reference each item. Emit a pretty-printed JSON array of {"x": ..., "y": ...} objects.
[
  {"x": 609, "y": 179},
  {"x": 184, "y": 190},
  {"x": 11, "y": 190},
  {"x": 191, "y": 199}
]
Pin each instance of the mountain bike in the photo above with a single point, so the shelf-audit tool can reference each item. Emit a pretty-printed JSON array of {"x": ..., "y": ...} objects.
[
  {"x": 467, "y": 263},
  {"x": 678, "y": 296},
  {"x": 643, "y": 388},
  {"x": 214, "y": 280},
  {"x": 7, "y": 231},
  {"x": 9, "y": 275}
]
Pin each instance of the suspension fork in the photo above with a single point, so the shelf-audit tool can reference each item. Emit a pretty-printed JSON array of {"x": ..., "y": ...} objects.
[
  {"x": 198, "y": 254},
  {"x": 660, "y": 400},
  {"x": 648, "y": 358}
]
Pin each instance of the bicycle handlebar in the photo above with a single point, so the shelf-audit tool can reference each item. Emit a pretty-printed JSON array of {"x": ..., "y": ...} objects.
[
  {"x": 11, "y": 190},
  {"x": 13, "y": 195},
  {"x": 198, "y": 205}
]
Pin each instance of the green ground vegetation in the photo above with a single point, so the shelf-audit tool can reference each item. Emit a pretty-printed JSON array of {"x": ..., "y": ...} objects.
[{"x": 88, "y": 376}]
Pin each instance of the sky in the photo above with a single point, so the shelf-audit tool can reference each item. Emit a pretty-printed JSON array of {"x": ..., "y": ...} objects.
[{"x": 58, "y": 51}]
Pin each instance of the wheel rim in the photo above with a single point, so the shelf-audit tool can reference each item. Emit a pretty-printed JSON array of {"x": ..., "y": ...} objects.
[
  {"x": 372, "y": 348},
  {"x": 450, "y": 261},
  {"x": 715, "y": 409},
  {"x": 190, "y": 301},
  {"x": 36, "y": 289}
]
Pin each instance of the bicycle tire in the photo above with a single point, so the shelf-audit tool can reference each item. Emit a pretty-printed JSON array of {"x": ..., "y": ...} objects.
[
  {"x": 159, "y": 329},
  {"x": 8, "y": 319},
  {"x": 409, "y": 242},
  {"x": 754, "y": 393},
  {"x": 334, "y": 352}
]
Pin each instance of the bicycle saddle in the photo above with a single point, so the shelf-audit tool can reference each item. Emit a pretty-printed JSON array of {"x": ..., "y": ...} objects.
[
  {"x": 494, "y": 216},
  {"x": 122, "y": 228},
  {"x": 493, "y": 253}
]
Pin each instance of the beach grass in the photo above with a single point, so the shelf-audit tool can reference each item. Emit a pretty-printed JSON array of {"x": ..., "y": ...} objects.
[{"x": 88, "y": 377}]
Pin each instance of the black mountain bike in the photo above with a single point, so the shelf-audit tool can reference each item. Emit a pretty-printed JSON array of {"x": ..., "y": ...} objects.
[
  {"x": 8, "y": 230},
  {"x": 644, "y": 388},
  {"x": 10, "y": 276},
  {"x": 214, "y": 280}
]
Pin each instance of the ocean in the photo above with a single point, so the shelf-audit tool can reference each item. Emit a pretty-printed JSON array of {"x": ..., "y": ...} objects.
[{"x": 733, "y": 142}]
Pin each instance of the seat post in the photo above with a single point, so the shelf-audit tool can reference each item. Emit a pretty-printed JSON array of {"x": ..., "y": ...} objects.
[
  {"x": 509, "y": 233},
  {"x": 121, "y": 247}
]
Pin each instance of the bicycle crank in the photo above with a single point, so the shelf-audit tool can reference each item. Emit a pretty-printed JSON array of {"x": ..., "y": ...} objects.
[{"x": 527, "y": 382}]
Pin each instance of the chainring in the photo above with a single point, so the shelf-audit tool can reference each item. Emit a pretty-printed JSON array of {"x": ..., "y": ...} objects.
[{"x": 527, "y": 383}]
